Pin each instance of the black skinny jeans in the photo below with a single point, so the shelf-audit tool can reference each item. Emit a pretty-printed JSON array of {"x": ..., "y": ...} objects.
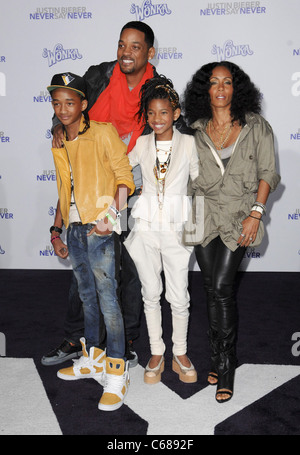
[{"x": 219, "y": 266}]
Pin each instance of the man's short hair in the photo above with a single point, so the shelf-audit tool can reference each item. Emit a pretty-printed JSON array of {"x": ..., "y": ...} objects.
[{"x": 144, "y": 28}]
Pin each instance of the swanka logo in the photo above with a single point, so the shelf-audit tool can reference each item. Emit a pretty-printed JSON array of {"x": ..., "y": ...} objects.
[
  {"x": 52, "y": 210},
  {"x": 60, "y": 54},
  {"x": 230, "y": 50},
  {"x": 148, "y": 9}
]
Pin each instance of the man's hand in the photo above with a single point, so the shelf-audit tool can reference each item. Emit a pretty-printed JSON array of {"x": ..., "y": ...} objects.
[{"x": 58, "y": 136}]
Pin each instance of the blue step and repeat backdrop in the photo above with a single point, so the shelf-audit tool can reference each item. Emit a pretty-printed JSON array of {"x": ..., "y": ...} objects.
[{"x": 40, "y": 38}]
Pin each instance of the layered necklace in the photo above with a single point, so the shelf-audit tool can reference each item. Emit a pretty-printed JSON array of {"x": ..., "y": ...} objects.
[
  {"x": 160, "y": 171},
  {"x": 220, "y": 138}
]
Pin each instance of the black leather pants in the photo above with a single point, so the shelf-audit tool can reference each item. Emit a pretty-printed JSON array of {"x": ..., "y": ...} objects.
[{"x": 219, "y": 266}]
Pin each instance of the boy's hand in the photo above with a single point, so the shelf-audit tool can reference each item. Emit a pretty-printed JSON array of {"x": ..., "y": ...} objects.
[
  {"x": 60, "y": 248},
  {"x": 103, "y": 227}
]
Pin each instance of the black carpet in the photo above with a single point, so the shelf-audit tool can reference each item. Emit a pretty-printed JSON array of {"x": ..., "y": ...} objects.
[{"x": 32, "y": 312}]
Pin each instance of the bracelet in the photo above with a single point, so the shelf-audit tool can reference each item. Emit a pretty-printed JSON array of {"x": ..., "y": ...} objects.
[
  {"x": 115, "y": 210},
  {"x": 257, "y": 208},
  {"x": 255, "y": 217},
  {"x": 110, "y": 218},
  {"x": 261, "y": 205},
  {"x": 56, "y": 229},
  {"x": 54, "y": 238}
]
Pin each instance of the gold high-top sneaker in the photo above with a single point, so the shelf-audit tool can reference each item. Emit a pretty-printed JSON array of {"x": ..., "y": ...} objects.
[
  {"x": 90, "y": 365},
  {"x": 116, "y": 384}
]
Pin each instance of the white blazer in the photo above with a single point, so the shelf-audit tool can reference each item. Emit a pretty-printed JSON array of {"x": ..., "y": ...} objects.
[{"x": 184, "y": 164}]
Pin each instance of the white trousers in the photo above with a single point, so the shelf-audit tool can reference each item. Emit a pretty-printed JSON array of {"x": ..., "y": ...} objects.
[{"x": 154, "y": 251}]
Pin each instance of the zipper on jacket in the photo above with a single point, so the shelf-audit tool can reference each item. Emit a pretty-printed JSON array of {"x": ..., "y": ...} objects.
[{"x": 71, "y": 186}]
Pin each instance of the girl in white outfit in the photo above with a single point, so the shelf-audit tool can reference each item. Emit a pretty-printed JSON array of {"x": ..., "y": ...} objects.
[{"x": 167, "y": 159}]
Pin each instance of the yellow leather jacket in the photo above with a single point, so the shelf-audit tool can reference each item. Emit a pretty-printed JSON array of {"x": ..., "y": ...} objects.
[{"x": 99, "y": 164}]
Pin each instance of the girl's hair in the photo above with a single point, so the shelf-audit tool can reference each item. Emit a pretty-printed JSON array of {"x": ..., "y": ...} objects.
[
  {"x": 158, "y": 87},
  {"x": 246, "y": 97}
]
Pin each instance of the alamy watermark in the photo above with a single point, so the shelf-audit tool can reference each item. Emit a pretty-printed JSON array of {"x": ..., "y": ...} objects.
[
  {"x": 296, "y": 346},
  {"x": 2, "y": 345}
]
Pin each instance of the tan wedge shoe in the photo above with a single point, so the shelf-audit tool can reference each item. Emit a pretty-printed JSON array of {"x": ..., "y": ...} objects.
[
  {"x": 153, "y": 375},
  {"x": 186, "y": 374}
]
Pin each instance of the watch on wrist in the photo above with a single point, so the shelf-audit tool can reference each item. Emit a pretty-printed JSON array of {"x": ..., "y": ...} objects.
[{"x": 55, "y": 229}]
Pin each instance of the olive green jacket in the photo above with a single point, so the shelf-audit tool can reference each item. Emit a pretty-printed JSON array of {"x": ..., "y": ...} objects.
[{"x": 222, "y": 198}]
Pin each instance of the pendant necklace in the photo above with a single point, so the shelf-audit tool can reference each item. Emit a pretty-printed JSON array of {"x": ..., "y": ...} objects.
[
  {"x": 160, "y": 171},
  {"x": 222, "y": 141}
]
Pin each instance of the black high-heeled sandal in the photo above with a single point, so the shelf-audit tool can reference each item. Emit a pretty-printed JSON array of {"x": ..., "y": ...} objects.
[
  {"x": 225, "y": 385},
  {"x": 213, "y": 375},
  {"x": 224, "y": 392},
  {"x": 214, "y": 356}
]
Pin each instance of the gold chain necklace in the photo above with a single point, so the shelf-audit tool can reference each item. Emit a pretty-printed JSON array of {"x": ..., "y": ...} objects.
[
  {"x": 160, "y": 171},
  {"x": 220, "y": 143}
]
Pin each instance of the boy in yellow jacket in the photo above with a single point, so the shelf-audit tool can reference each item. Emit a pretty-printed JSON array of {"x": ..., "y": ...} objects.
[{"x": 94, "y": 179}]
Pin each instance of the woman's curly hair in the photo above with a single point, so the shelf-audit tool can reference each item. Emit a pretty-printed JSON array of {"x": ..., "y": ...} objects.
[{"x": 196, "y": 100}]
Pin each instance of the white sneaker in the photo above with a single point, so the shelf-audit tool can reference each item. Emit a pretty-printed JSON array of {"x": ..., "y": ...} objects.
[
  {"x": 116, "y": 384},
  {"x": 88, "y": 366}
]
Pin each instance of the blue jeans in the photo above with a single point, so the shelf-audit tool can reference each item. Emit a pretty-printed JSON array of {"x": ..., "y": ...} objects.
[{"x": 93, "y": 262}]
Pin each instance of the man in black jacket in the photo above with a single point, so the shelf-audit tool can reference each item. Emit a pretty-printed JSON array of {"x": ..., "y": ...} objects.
[{"x": 109, "y": 86}]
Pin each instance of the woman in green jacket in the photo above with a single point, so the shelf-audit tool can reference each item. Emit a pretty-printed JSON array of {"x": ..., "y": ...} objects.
[{"x": 237, "y": 172}]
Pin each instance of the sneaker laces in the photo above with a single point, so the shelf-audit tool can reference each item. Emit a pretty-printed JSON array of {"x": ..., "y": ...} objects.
[
  {"x": 114, "y": 384},
  {"x": 83, "y": 362}
]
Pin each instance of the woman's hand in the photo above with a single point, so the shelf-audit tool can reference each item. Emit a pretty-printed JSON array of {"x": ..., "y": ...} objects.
[
  {"x": 249, "y": 232},
  {"x": 60, "y": 248},
  {"x": 251, "y": 223}
]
